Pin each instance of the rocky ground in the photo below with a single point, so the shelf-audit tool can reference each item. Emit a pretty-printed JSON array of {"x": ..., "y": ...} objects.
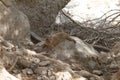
[
  {"x": 66, "y": 61},
  {"x": 75, "y": 59}
]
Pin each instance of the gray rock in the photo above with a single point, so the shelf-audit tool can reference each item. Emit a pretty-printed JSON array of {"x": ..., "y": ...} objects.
[
  {"x": 49, "y": 73},
  {"x": 41, "y": 70},
  {"x": 84, "y": 49},
  {"x": 92, "y": 78},
  {"x": 63, "y": 76},
  {"x": 114, "y": 66},
  {"x": 15, "y": 71},
  {"x": 84, "y": 73},
  {"x": 81, "y": 78},
  {"x": 27, "y": 71},
  {"x": 42, "y": 78},
  {"x": 44, "y": 63},
  {"x": 97, "y": 72},
  {"x": 36, "y": 60},
  {"x": 14, "y": 25},
  {"x": 92, "y": 64},
  {"x": 41, "y": 13},
  {"x": 52, "y": 78},
  {"x": 5, "y": 75}
]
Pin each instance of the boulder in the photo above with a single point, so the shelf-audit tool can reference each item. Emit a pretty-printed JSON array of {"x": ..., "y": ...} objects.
[
  {"x": 14, "y": 25},
  {"x": 41, "y": 13}
]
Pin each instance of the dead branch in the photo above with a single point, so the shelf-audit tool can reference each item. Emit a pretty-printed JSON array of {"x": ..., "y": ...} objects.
[{"x": 79, "y": 24}]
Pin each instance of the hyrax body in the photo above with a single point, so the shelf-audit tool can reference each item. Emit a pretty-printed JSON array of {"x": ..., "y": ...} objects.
[{"x": 55, "y": 39}]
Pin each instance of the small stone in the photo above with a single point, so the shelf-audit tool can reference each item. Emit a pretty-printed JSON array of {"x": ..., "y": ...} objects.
[
  {"x": 41, "y": 70},
  {"x": 24, "y": 71},
  {"x": 63, "y": 76},
  {"x": 49, "y": 73},
  {"x": 15, "y": 71},
  {"x": 92, "y": 78},
  {"x": 39, "y": 78},
  {"x": 36, "y": 60},
  {"x": 114, "y": 66},
  {"x": 32, "y": 65},
  {"x": 27, "y": 71},
  {"x": 97, "y": 72},
  {"x": 44, "y": 63},
  {"x": 92, "y": 64},
  {"x": 30, "y": 71},
  {"x": 42, "y": 78},
  {"x": 81, "y": 78},
  {"x": 84, "y": 73},
  {"x": 52, "y": 78},
  {"x": 19, "y": 76}
]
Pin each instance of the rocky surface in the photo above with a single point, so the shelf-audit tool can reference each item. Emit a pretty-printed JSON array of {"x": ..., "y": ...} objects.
[
  {"x": 14, "y": 25},
  {"x": 61, "y": 63},
  {"x": 41, "y": 13},
  {"x": 68, "y": 60}
]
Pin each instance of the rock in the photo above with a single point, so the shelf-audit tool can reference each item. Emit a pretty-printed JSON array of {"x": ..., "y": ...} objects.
[
  {"x": 81, "y": 78},
  {"x": 27, "y": 71},
  {"x": 5, "y": 43},
  {"x": 92, "y": 78},
  {"x": 64, "y": 50},
  {"x": 44, "y": 63},
  {"x": 41, "y": 70},
  {"x": 42, "y": 78},
  {"x": 63, "y": 76},
  {"x": 49, "y": 73},
  {"x": 7, "y": 3},
  {"x": 14, "y": 25},
  {"x": 29, "y": 52},
  {"x": 15, "y": 71},
  {"x": 97, "y": 72},
  {"x": 52, "y": 78},
  {"x": 92, "y": 64},
  {"x": 114, "y": 68},
  {"x": 84, "y": 11},
  {"x": 41, "y": 13},
  {"x": 33, "y": 65},
  {"x": 36, "y": 60},
  {"x": 5, "y": 75},
  {"x": 84, "y": 49},
  {"x": 84, "y": 73}
]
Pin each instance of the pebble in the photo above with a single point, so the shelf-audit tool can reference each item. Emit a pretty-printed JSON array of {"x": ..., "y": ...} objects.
[
  {"x": 52, "y": 78},
  {"x": 15, "y": 71},
  {"x": 97, "y": 72},
  {"x": 41, "y": 70},
  {"x": 49, "y": 73},
  {"x": 27, "y": 71},
  {"x": 36, "y": 60},
  {"x": 92, "y": 78},
  {"x": 44, "y": 63},
  {"x": 81, "y": 78},
  {"x": 114, "y": 66},
  {"x": 42, "y": 78},
  {"x": 63, "y": 76}
]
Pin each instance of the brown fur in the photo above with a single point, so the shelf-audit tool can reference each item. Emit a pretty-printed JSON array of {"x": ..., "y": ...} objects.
[{"x": 55, "y": 39}]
